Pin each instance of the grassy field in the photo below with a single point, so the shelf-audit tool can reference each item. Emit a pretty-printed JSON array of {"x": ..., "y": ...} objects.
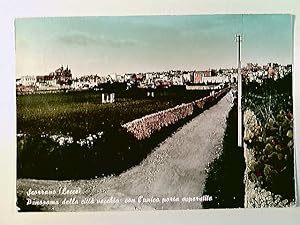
[{"x": 81, "y": 113}]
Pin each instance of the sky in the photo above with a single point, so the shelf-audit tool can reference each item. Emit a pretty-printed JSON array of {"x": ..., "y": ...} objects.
[{"x": 127, "y": 44}]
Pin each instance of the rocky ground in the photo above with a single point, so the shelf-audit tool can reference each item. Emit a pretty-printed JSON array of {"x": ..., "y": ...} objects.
[
  {"x": 172, "y": 177},
  {"x": 256, "y": 196}
]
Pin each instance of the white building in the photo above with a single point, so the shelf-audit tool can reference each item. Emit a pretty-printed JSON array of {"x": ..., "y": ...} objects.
[
  {"x": 215, "y": 79},
  {"x": 177, "y": 80},
  {"x": 27, "y": 80}
]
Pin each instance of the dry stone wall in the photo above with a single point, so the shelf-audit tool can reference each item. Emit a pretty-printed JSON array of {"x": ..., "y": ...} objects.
[{"x": 142, "y": 128}]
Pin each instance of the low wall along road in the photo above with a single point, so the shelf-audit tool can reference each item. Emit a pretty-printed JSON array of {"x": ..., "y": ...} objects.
[
  {"x": 171, "y": 177},
  {"x": 142, "y": 128}
]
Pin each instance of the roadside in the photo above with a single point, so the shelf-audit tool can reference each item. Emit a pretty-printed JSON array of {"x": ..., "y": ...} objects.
[
  {"x": 177, "y": 168},
  {"x": 226, "y": 176}
]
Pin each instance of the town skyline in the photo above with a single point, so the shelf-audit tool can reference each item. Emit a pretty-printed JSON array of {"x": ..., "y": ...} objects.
[{"x": 133, "y": 44}]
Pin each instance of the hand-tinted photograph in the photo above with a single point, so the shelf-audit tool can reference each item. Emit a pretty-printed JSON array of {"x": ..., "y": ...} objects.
[{"x": 132, "y": 113}]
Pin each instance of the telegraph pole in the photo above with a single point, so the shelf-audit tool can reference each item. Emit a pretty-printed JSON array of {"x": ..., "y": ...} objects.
[{"x": 238, "y": 39}]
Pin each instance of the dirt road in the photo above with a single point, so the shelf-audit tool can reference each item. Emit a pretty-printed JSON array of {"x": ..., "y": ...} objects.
[{"x": 171, "y": 177}]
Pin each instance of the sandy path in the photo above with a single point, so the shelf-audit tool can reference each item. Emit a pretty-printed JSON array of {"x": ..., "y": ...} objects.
[{"x": 177, "y": 168}]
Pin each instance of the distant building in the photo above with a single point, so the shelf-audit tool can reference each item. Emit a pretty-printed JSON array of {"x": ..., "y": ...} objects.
[
  {"x": 60, "y": 77},
  {"x": 187, "y": 77},
  {"x": 27, "y": 80},
  {"x": 198, "y": 76},
  {"x": 120, "y": 78},
  {"x": 177, "y": 80},
  {"x": 215, "y": 80},
  {"x": 45, "y": 80}
]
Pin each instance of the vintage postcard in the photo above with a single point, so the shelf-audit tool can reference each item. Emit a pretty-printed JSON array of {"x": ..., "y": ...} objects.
[{"x": 154, "y": 112}]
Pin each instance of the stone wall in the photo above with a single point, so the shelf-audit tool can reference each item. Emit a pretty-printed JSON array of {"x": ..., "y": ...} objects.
[
  {"x": 143, "y": 127},
  {"x": 256, "y": 196}
]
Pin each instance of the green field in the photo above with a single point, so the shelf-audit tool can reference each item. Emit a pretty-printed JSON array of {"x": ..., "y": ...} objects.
[
  {"x": 77, "y": 114},
  {"x": 81, "y": 113},
  {"x": 81, "y": 116}
]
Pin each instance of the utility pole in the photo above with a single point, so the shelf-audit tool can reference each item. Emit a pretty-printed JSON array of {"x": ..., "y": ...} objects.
[{"x": 238, "y": 39}]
